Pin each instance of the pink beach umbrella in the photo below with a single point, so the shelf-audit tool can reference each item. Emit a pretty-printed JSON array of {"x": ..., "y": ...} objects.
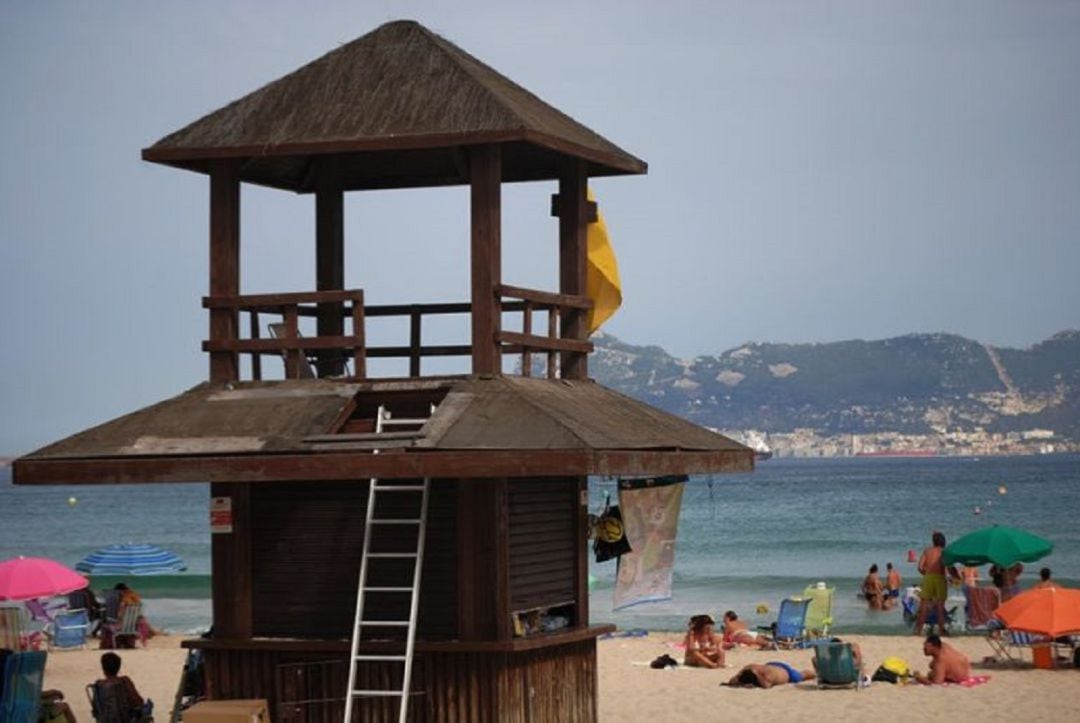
[{"x": 25, "y": 578}]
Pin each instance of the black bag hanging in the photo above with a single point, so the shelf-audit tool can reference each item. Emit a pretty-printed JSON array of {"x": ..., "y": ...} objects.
[{"x": 610, "y": 535}]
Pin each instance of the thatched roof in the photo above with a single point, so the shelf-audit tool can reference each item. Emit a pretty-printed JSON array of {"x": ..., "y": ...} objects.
[
  {"x": 523, "y": 424},
  {"x": 393, "y": 109}
]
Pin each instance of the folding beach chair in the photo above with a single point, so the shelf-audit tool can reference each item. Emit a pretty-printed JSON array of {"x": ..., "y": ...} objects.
[
  {"x": 789, "y": 630},
  {"x": 109, "y": 704},
  {"x": 129, "y": 625},
  {"x": 70, "y": 629},
  {"x": 981, "y": 602},
  {"x": 20, "y": 701},
  {"x": 1009, "y": 645},
  {"x": 836, "y": 667},
  {"x": 819, "y": 614}
]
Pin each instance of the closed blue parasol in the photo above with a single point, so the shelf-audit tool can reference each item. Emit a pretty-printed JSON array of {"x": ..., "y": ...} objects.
[{"x": 131, "y": 559}]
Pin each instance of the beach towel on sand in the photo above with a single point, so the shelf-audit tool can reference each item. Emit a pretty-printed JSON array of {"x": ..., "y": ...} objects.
[{"x": 970, "y": 682}]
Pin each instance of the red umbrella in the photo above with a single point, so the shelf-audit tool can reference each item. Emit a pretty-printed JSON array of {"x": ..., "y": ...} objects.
[
  {"x": 24, "y": 578},
  {"x": 1051, "y": 611}
]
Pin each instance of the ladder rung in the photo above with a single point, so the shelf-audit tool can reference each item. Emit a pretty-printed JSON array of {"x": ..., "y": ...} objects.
[
  {"x": 398, "y": 488},
  {"x": 388, "y": 589},
  {"x": 380, "y": 693},
  {"x": 381, "y": 657},
  {"x": 395, "y": 521},
  {"x": 386, "y": 623},
  {"x": 392, "y": 554},
  {"x": 404, "y": 420}
]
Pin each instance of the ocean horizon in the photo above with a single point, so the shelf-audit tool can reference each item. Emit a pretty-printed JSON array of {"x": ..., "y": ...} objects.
[{"x": 744, "y": 541}]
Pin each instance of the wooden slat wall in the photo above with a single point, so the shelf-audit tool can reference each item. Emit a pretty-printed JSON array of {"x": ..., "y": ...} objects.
[
  {"x": 548, "y": 684},
  {"x": 544, "y": 544},
  {"x": 306, "y": 545}
]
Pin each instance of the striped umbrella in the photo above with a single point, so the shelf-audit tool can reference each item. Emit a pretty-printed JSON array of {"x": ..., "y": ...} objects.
[{"x": 131, "y": 559}]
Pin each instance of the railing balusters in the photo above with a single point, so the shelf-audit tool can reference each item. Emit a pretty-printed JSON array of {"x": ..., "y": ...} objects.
[
  {"x": 553, "y": 333},
  {"x": 292, "y": 330},
  {"x": 360, "y": 348},
  {"x": 526, "y": 329},
  {"x": 256, "y": 358},
  {"x": 414, "y": 342}
]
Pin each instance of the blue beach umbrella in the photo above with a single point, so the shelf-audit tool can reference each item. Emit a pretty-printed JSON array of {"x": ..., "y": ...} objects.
[{"x": 131, "y": 559}]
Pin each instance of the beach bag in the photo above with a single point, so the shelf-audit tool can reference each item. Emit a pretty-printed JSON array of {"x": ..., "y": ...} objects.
[
  {"x": 610, "y": 535},
  {"x": 893, "y": 670}
]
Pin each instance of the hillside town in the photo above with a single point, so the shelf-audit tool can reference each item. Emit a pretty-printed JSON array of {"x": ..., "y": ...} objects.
[{"x": 805, "y": 442}]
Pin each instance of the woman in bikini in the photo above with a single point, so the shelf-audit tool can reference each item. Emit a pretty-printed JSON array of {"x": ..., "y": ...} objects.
[{"x": 703, "y": 649}]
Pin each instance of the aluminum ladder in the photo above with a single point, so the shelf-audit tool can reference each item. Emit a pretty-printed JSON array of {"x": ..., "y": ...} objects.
[{"x": 371, "y": 525}]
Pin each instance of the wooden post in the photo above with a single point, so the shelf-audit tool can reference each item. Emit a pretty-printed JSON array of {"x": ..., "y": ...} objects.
[
  {"x": 224, "y": 263},
  {"x": 483, "y": 544},
  {"x": 485, "y": 177},
  {"x": 231, "y": 572},
  {"x": 330, "y": 273},
  {"x": 573, "y": 226}
]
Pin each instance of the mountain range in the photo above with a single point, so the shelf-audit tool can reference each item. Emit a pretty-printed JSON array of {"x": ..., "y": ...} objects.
[{"x": 914, "y": 384}]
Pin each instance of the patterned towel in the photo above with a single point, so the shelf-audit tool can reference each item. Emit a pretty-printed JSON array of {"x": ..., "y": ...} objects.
[{"x": 972, "y": 681}]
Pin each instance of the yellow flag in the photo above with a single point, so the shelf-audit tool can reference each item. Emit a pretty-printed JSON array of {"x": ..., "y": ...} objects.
[{"x": 601, "y": 273}]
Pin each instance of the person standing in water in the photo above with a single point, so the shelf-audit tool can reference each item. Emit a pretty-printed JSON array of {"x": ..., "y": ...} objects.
[
  {"x": 933, "y": 589},
  {"x": 893, "y": 583}
]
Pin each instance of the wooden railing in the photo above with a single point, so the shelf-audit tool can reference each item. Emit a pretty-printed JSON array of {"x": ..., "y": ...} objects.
[
  {"x": 295, "y": 348},
  {"x": 526, "y": 342}
]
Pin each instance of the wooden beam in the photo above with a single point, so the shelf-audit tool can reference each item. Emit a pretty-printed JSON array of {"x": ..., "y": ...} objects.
[
  {"x": 231, "y": 572},
  {"x": 545, "y": 297},
  {"x": 330, "y": 272},
  {"x": 392, "y": 465},
  {"x": 224, "y": 263},
  {"x": 544, "y": 342},
  {"x": 485, "y": 169},
  {"x": 590, "y": 210},
  {"x": 573, "y": 224}
]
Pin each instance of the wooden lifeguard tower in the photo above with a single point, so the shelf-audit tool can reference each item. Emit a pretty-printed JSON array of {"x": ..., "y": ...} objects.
[{"x": 505, "y": 457}]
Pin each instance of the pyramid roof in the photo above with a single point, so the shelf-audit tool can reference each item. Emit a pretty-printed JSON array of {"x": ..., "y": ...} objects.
[{"x": 393, "y": 108}]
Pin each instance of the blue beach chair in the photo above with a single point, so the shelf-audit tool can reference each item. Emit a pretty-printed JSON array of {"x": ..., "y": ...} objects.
[
  {"x": 789, "y": 630},
  {"x": 21, "y": 699},
  {"x": 70, "y": 630}
]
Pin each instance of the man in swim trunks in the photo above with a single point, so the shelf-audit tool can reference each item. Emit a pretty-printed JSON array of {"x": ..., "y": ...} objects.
[
  {"x": 892, "y": 585},
  {"x": 771, "y": 674},
  {"x": 933, "y": 588},
  {"x": 947, "y": 664},
  {"x": 736, "y": 633}
]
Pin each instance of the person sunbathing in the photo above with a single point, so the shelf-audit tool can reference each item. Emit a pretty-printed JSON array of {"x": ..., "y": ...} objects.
[
  {"x": 703, "y": 648},
  {"x": 769, "y": 675},
  {"x": 947, "y": 664},
  {"x": 736, "y": 633}
]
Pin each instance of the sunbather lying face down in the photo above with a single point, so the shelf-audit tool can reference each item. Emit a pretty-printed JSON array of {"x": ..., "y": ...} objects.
[{"x": 769, "y": 675}]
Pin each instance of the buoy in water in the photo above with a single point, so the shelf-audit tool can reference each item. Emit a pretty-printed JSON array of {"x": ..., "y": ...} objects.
[
  {"x": 911, "y": 556},
  {"x": 1002, "y": 489},
  {"x": 977, "y": 510},
  {"x": 72, "y": 501}
]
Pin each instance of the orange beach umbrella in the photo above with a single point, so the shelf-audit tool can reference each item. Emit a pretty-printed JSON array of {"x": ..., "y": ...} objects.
[{"x": 1051, "y": 611}]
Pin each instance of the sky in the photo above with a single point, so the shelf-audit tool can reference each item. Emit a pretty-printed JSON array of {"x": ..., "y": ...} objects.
[{"x": 818, "y": 171}]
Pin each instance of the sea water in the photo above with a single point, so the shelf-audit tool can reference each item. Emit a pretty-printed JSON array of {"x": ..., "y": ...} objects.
[{"x": 744, "y": 540}]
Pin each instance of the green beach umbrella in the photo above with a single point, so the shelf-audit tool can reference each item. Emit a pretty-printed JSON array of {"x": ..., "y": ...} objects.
[{"x": 998, "y": 545}]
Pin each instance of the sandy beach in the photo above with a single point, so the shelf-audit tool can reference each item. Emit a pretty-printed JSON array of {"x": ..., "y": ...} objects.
[{"x": 631, "y": 691}]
